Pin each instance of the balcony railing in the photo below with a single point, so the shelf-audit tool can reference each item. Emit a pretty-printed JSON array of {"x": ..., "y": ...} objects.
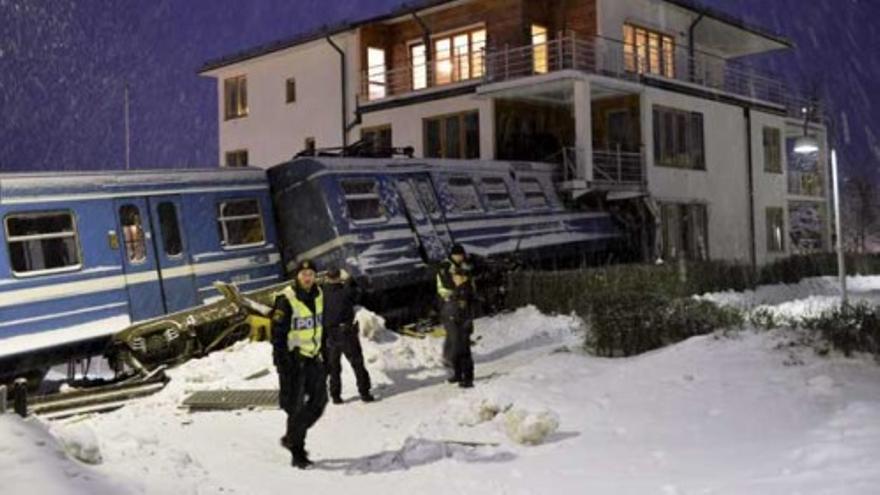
[
  {"x": 616, "y": 167},
  {"x": 805, "y": 184},
  {"x": 595, "y": 55}
]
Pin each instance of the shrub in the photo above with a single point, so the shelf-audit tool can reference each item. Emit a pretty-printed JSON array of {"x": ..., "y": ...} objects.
[{"x": 849, "y": 328}]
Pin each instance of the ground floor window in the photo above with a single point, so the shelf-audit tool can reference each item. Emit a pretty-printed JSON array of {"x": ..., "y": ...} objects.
[
  {"x": 684, "y": 230},
  {"x": 377, "y": 139},
  {"x": 775, "y": 219},
  {"x": 453, "y": 136},
  {"x": 237, "y": 158}
]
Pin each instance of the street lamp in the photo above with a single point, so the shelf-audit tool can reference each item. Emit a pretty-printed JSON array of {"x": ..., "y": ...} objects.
[{"x": 806, "y": 145}]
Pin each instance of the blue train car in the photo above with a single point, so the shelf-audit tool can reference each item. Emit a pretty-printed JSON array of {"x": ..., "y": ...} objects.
[
  {"x": 84, "y": 255},
  {"x": 389, "y": 220}
]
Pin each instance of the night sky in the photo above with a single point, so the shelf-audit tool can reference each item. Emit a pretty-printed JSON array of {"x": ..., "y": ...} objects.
[{"x": 64, "y": 64}]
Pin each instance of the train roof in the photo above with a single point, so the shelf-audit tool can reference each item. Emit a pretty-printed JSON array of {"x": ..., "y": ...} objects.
[
  {"x": 62, "y": 186},
  {"x": 307, "y": 167}
]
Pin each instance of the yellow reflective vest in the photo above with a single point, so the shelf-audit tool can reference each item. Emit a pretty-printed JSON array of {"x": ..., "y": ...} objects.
[{"x": 306, "y": 328}]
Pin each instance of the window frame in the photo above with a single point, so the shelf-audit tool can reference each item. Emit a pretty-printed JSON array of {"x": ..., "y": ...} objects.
[
  {"x": 237, "y": 153},
  {"x": 51, "y": 271},
  {"x": 235, "y": 101},
  {"x": 686, "y": 236},
  {"x": 498, "y": 182},
  {"x": 540, "y": 49},
  {"x": 220, "y": 219},
  {"x": 443, "y": 137},
  {"x": 178, "y": 226},
  {"x": 378, "y": 130},
  {"x": 455, "y": 209},
  {"x": 769, "y": 156},
  {"x": 428, "y": 72},
  {"x": 641, "y": 63},
  {"x": 526, "y": 194},
  {"x": 377, "y": 75},
  {"x": 361, "y": 197},
  {"x": 669, "y": 143},
  {"x": 774, "y": 247}
]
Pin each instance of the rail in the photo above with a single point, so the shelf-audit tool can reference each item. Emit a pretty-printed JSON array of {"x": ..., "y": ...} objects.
[
  {"x": 616, "y": 167},
  {"x": 595, "y": 55}
]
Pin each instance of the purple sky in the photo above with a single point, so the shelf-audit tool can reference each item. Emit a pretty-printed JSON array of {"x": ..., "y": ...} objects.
[{"x": 64, "y": 64}]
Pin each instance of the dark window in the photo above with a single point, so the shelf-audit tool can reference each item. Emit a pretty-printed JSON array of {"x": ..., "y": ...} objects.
[
  {"x": 678, "y": 139},
  {"x": 453, "y": 136},
  {"x": 362, "y": 199},
  {"x": 237, "y": 158},
  {"x": 377, "y": 139},
  {"x": 133, "y": 233},
  {"x": 685, "y": 231},
  {"x": 240, "y": 223},
  {"x": 170, "y": 228},
  {"x": 290, "y": 90},
  {"x": 533, "y": 192},
  {"x": 42, "y": 242},
  {"x": 497, "y": 193},
  {"x": 464, "y": 195},
  {"x": 235, "y": 97},
  {"x": 775, "y": 230},
  {"x": 772, "y": 150}
]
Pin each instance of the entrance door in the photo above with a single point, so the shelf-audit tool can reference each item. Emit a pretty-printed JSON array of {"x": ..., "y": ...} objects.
[
  {"x": 175, "y": 270},
  {"x": 425, "y": 216},
  {"x": 139, "y": 259}
]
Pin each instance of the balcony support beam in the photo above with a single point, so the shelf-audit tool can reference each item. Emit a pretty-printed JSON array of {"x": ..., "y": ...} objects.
[{"x": 583, "y": 122}]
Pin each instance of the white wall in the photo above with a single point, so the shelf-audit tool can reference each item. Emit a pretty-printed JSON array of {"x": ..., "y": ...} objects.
[
  {"x": 653, "y": 14},
  {"x": 274, "y": 131},
  {"x": 771, "y": 189}
]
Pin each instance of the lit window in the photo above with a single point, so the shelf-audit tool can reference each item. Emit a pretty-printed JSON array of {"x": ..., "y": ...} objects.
[
  {"x": 459, "y": 57},
  {"x": 648, "y": 52},
  {"x": 377, "y": 74},
  {"x": 240, "y": 223},
  {"x": 540, "y": 51},
  {"x": 42, "y": 243},
  {"x": 235, "y": 96},
  {"x": 133, "y": 234},
  {"x": 419, "y": 66},
  {"x": 775, "y": 230}
]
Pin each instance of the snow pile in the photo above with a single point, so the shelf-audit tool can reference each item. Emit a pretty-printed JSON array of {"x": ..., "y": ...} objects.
[
  {"x": 79, "y": 441},
  {"x": 530, "y": 428}
]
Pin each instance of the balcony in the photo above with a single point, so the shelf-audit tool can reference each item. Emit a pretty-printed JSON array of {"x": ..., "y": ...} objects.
[{"x": 597, "y": 55}]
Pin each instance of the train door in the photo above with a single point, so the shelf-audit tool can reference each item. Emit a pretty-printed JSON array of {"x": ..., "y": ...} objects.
[
  {"x": 425, "y": 216},
  {"x": 172, "y": 254},
  {"x": 139, "y": 259}
]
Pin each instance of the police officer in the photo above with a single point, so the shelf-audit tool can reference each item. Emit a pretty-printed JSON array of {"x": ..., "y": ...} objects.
[
  {"x": 341, "y": 294},
  {"x": 296, "y": 343},
  {"x": 458, "y": 319},
  {"x": 445, "y": 288}
]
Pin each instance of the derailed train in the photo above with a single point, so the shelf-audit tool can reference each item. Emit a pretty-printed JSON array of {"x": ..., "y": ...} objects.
[{"x": 89, "y": 254}]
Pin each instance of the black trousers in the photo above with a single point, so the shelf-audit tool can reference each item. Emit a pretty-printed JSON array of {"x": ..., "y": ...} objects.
[
  {"x": 341, "y": 341},
  {"x": 459, "y": 328},
  {"x": 303, "y": 395}
]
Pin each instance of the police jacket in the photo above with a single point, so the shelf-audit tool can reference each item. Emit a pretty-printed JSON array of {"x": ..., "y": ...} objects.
[
  {"x": 445, "y": 286},
  {"x": 340, "y": 298},
  {"x": 297, "y": 327}
]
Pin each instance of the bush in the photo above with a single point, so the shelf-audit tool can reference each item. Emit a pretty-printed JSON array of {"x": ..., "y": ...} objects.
[
  {"x": 626, "y": 324},
  {"x": 849, "y": 328}
]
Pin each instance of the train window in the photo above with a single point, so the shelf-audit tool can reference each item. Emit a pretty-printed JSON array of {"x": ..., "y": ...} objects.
[
  {"x": 170, "y": 227},
  {"x": 42, "y": 243},
  {"x": 133, "y": 233},
  {"x": 464, "y": 195},
  {"x": 534, "y": 193},
  {"x": 411, "y": 200},
  {"x": 240, "y": 223},
  {"x": 497, "y": 193},
  {"x": 362, "y": 200},
  {"x": 427, "y": 197}
]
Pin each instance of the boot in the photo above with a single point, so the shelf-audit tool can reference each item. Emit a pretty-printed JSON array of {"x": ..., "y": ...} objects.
[
  {"x": 286, "y": 442},
  {"x": 300, "y": 459},
  {"x": 466, "y": 384},
  {"x": 367, "y": 397},
  {"x": 336, "y": 399}
]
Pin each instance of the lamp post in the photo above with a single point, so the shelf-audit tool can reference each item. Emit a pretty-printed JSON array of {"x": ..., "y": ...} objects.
[{"x": 806, "y": 145}]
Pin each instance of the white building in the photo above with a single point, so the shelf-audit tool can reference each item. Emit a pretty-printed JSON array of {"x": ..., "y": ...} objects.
[{"x": 642, "y": 99}]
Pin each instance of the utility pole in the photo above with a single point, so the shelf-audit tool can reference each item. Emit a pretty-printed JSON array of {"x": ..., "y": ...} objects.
[
  {"x": 127, "y": 132},
  {"x": 841, "y": 259}
]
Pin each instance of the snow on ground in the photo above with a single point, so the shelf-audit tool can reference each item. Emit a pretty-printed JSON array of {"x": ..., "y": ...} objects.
[{"x": 739, "y": 412}]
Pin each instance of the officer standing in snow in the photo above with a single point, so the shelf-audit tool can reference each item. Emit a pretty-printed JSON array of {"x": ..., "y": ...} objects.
[
  {"x": 296, "y": 342},
  {"x": 458, "y": 319},
  {"x": 341, "y": 294},
  {"x": 445, "y": 288}
]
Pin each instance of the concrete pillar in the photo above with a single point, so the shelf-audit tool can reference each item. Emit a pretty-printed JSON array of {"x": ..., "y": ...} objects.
[
  {"x": 487, "y": 130},
  {"x": 583, "y": 122},
  {"x": 2, "y": 399}
]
